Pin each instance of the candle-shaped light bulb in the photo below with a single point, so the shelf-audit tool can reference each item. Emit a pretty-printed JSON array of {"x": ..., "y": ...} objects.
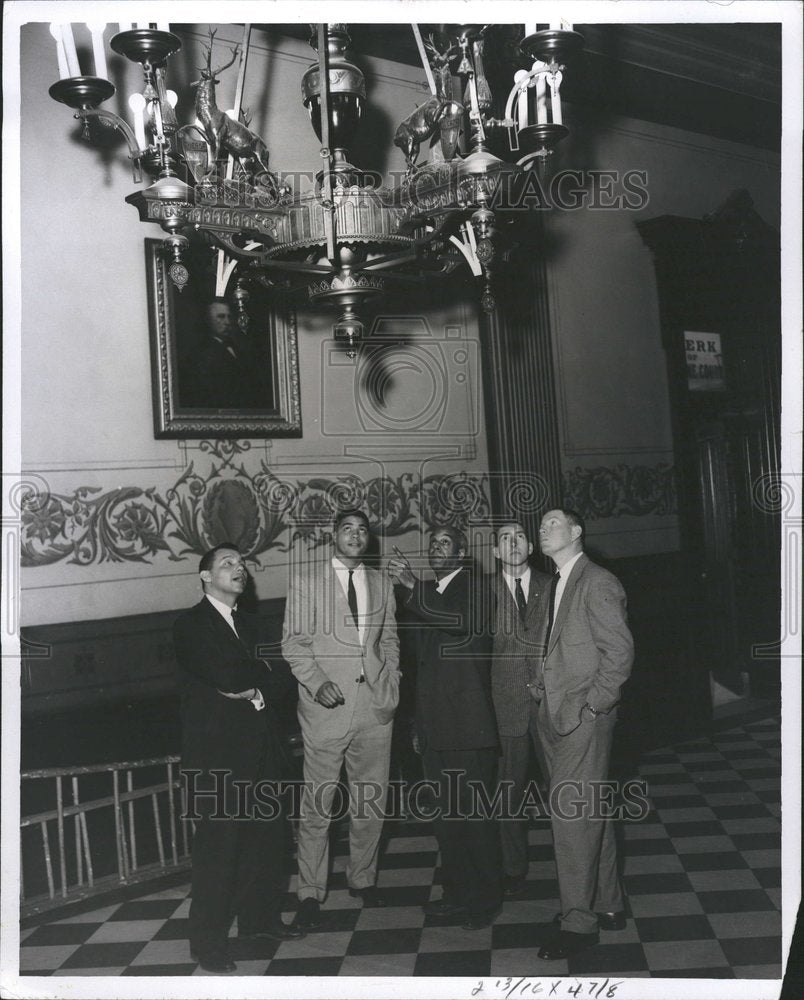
[
  {"x": 172, "y": 98},
  {"x": 541, "y": 95},
  {"x": 137, "y": 104},
  {"x": 522, "y": 99},
  {"x": 555, "y": 98},
  {"x": 96, "y": 29},
  {"x": 61, "y": 55},
  {"x": 69, "y": 48}
]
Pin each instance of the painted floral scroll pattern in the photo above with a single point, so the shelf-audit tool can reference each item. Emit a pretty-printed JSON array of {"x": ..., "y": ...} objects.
[
  {"x": 225, "y": 501},
  {"x": 219, "y": 499}
]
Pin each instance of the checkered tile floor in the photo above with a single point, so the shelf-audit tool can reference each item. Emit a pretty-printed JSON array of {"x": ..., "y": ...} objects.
[{"x": 702, "y": 875}]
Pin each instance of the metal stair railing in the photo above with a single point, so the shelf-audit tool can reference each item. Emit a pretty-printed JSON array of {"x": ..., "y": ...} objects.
[{"x": 92, "y": 855}]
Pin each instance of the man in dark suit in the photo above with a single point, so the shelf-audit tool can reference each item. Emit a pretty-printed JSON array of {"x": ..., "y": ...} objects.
[
  {"x": 589, "y": 652},
  {"x": 518, "y": 589},
  {"x": 229, "y": 372},
  {"x": 229, "y": 726},
  {"x": 455, "y": 722}
]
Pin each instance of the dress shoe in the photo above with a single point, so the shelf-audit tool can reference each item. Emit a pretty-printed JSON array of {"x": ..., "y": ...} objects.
[
  {"x": 370, "y": 895},
  {"x": 567, "y": 943},
  {"x": 214, "y": 960},
  {"x": 478, "y": 919},
  {"x": 513, "y": 885},
  {"x": 614, "y": 921},
  {"x": 442, "y": 908},
  {"x": 277, "y": 930},
  {"x": 308, "y": 915}
]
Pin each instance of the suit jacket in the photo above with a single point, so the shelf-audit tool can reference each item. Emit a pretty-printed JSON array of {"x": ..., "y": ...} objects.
[
  {"x": 220, "y": 732},
  {"x": 590, "y": 650},
  {"x": 454, "y": 710},
  {"x": 517, "y": 647},
  {"x": 321, "y": 643},
  {"x": 217, "y": 379}
]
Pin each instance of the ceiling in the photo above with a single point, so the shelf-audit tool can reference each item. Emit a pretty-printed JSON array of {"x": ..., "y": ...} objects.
[{"x": 722, "y": 80}]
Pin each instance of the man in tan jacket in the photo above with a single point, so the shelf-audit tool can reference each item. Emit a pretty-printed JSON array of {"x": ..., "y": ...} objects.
[{"x": 340, "y": 639}]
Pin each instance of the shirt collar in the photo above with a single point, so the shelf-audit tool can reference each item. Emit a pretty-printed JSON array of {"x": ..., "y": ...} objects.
[
  {"x": 342, "y": 568},
  {"x": 524, "y": 576},
  {"x": 220, "y": 607},
  {"x": 566, "y": 569},
  {"x": 443, "y": 583}
]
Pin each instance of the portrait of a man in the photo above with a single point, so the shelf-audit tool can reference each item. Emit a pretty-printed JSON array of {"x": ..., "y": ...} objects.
[
  {"x": 229, "y": 368},
  {"x": 223, "y": 363}
]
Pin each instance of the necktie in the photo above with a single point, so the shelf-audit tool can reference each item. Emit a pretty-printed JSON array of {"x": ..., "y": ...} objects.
[
  {"x": 236, "y": 621},
  {"x": 351, "y": 596},
  {"x": 521, "y": 601},
  {"x": 553, "y": 588}
]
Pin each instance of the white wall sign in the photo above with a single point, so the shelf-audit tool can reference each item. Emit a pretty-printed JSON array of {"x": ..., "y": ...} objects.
[{"x": 704, "y": 362}]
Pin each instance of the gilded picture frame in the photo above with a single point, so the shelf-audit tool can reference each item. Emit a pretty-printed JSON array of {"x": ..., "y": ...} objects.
[{"x": 239, "y": 379}]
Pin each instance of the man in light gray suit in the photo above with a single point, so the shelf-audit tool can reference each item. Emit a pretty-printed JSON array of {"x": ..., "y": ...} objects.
[
  {"x": 589, "y": 652},
  {"x": 340, "y": 639},
  {"x": 518, "y": 588}
]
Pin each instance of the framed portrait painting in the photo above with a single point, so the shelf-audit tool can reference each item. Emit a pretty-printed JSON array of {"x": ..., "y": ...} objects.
[{"x": 217, "y": 371}]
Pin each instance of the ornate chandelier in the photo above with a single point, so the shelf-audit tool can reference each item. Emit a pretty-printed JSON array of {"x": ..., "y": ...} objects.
[{"x": 344, "y": 239}]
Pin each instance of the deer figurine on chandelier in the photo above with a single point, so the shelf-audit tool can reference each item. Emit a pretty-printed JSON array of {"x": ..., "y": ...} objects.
[
  {"x": 438, "y": 110},
  {"x": 225, "y": 134}
]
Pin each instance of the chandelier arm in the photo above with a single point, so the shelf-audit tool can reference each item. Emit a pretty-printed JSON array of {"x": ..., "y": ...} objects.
[
  {"x": 389, "y": 260},
  {"x": 111, "y": 120},
  {"x": 259, "y": 259},
  {"x": 440, "y": 223},
  {"x": 412, "y": 279},
  {"x": 538, "y": 157},
  {"x": 285, "y": 287},
  {"x": 226, "y": 242},
  {"x": 295, "y": 266},
  {"x": 436, "y": 231}
]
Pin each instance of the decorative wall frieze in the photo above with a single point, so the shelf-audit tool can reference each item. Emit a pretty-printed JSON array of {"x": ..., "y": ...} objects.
[
  {"x": 636, "y": 490},
  {"x": 218, "y": 498}
]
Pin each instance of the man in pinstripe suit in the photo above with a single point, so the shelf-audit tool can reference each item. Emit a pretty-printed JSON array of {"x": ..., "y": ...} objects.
[{"x": 519, "y": 588}]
